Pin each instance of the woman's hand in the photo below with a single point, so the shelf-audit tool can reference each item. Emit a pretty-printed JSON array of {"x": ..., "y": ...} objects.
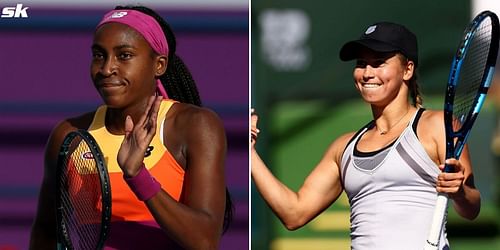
[
  {"x": 451, "y": 183},
  {"x": 137, "y": 138},
  {"x": 254, "y": 130}
]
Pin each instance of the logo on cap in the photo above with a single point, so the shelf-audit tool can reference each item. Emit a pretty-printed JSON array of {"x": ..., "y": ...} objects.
[
  {"x": 370, "y": 29},
  {"x": 119, "y": 14}
]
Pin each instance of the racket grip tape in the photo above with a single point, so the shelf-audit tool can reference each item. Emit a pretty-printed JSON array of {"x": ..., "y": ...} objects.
[
  {"x": 144, "y": 185},
  {"x": 437, "y": 223}
]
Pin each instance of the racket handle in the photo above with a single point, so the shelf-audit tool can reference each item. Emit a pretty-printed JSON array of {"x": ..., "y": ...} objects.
[
  {"x": 437, "y": 224},
  {"x": 448, "y": 168}
]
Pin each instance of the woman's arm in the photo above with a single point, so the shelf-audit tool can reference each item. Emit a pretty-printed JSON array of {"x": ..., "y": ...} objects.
[
  {"x": 321, "y": 188},
  {"x": 195, "y": 222},
  {"x": 459, "y": 185}
]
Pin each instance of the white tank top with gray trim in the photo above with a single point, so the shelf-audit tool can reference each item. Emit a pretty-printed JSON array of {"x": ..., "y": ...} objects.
[{"x": 391, "y": 193}]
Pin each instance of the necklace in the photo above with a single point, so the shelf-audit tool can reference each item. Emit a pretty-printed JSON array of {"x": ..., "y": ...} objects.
[{"x": 383, "y": 132}]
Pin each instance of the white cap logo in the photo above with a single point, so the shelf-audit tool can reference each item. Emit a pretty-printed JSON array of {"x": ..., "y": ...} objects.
[
  {"x": 119, "y": 14},
  {"x": 370, "y": 29}
]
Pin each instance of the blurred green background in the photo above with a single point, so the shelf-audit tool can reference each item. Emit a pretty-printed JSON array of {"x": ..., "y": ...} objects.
[{"x": 305, "y": 98}]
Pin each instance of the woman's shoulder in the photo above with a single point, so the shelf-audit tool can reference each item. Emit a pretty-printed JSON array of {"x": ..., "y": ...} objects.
[
  {"x": 431, "y": 126},
  {"x": 194, "y": 120},
  {"x": 63, "y": 128},
  {"x": 67, "y": 125},
  {"x": 81, "y": 121},
  {"x": 432, "y": 117},
  {"x": 344, "y": 139},
  {"x": 187, "y": 113},
  {"x": 338, "y": 145}
]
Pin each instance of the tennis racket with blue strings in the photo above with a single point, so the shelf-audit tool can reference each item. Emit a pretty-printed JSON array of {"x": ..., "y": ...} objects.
[{"x": 470, "y": 77}]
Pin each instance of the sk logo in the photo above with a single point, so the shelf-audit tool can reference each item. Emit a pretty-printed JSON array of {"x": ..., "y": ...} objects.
[
  {"x": 148, "y": 151},
  {"x": 15, "y": 12}
]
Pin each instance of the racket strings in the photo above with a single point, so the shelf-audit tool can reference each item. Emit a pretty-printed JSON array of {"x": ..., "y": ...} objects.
[
  {"x": 472, "y": 72},
  {"x": 80, "y": 196}
]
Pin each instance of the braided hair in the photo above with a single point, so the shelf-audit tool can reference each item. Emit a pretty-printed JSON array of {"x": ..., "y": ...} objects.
[
  {"x": 415, "y": 93},
  {"x": 179, "y": 84}
]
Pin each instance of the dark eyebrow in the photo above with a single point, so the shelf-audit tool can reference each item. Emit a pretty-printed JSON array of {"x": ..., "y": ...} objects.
[
  {"x": 119, "y": 47},
  {"x": 124, "y": 46},
  {"x": 95, "y": 47}
]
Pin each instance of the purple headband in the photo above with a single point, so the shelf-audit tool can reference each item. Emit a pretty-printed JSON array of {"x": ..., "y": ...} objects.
[{"x": 147, "y": 26}]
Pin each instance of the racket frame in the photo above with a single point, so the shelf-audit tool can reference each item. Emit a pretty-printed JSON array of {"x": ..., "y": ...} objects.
[
  {"x": 454, "y": 147},
  {"x": 455, "y": 141},
  {"x": 63, "y": 239}
]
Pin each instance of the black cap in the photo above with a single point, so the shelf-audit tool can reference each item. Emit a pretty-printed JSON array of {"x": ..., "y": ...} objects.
[{"x": 383, "y": 37}]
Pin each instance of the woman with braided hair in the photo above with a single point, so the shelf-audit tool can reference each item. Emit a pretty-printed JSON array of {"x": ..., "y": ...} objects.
[{"x": 167, "y": 174}]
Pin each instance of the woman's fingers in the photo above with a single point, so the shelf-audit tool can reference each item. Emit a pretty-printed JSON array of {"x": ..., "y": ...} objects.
[
  {"x": 254, "y": 131},
  {"x": 153, "y": 115},
  {"x": 151, "y": 111},
  {"x": 451, "y": 183},
  {"x": 129, "y": 126},
  {"x": 254, "y": 119},
  {"x": 147, "y": 122},
  {"x": 142, "y": 121}
]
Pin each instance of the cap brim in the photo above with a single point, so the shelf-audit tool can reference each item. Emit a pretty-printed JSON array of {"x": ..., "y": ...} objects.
[{"x": 351, "y": 49}]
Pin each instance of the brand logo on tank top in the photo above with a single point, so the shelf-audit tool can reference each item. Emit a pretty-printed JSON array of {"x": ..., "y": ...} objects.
[{"x": 148, "y": 151}]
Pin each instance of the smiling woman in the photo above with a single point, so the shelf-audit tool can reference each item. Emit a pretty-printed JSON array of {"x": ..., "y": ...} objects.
[
  {"x": 165, "y": 154},
  {"x": 390, "y": 169}
]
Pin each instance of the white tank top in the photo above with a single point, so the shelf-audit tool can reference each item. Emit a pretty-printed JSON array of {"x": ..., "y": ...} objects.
[{"x": 392, "y": 200}]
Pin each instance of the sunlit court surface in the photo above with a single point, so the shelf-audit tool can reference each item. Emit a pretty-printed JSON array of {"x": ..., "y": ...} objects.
[
  {"x": 45, "y": 62},
  {"x": 305, "y": 98}
]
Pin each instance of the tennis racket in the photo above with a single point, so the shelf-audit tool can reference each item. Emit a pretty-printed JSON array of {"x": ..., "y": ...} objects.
[
  {"x": 470, "y": 77},
  {"x": 83, "y": 194}
]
